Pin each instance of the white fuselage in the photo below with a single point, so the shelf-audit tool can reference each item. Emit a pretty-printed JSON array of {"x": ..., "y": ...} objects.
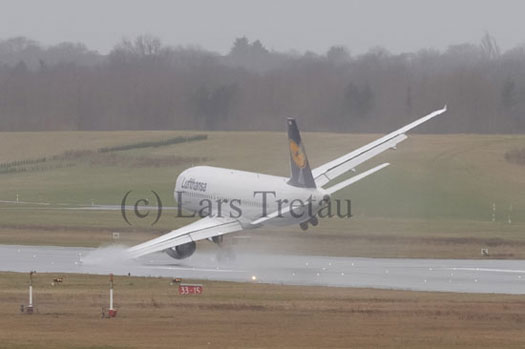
[
  {"x": 231, "y": 201},
  {"x": 212, "y": 191}
]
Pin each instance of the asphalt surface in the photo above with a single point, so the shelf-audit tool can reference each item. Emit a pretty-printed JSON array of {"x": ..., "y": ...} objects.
[{"x": 469, "y": 276}]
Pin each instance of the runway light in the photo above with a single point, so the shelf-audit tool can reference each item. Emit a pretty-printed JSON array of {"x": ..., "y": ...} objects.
[{"x": 254, "y": 278}]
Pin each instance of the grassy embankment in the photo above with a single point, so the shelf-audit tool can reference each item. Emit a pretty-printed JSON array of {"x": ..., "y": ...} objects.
[
  {"x": 153, "y": 315},
  {"x": 435, "y": 200}
]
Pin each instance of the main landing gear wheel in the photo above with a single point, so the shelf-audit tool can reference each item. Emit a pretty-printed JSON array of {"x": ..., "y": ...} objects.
[
  {"x": 314, "y": 221},
  {"x": 304, "y": 226}
]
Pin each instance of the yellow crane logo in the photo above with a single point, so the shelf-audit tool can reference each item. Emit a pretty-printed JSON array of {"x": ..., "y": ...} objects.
[{"x": 297, "y": 154}]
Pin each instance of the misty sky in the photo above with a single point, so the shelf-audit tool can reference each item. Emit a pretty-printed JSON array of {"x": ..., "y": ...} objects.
[{"x": 399, "y": 26}]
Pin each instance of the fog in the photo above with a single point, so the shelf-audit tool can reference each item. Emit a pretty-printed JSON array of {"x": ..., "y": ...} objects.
[
  {"x": 399, "y": 26},
  {"x": 350, "y": 66},
  {"x": 144, "y": 84}
]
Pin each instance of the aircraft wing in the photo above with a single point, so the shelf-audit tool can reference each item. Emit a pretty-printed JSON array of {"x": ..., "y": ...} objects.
[
  {"x": 204, "y": 228},
  {"x": 333, "y": 169}
]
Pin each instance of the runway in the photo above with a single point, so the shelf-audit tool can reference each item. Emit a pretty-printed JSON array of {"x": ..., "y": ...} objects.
[{"x": 466, "y": 276}]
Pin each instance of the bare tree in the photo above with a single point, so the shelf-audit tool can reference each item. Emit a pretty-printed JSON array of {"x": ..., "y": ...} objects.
[{"x": 143, "y": 84}]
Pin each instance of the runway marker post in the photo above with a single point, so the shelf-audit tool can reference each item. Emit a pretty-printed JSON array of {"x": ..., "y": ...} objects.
[
  {"x": 31, "y": 289},
  {"x": 28, "y": 309},
  {"x": 112, "y": 312}
]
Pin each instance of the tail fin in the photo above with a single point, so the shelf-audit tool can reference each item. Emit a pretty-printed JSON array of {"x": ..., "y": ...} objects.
[{"x": 301, "y": 173}]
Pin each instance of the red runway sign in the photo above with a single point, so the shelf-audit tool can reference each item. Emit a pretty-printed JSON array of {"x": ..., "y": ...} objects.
[{"x": 190, "y": 289}]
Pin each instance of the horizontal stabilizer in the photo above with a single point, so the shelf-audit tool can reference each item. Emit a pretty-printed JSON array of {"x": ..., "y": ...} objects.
[{"x": 354, "y": 179}]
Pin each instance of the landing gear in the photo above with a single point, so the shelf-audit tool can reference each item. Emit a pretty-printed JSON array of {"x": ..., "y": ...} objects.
[
  {"x": 313, "y": 221},
  {"x": 218, "y": 239},
  {"x": 225, "y": 254},
  {"x": 225, "y": 251}
]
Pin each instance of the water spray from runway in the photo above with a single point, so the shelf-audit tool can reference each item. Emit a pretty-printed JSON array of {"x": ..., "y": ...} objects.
[{"x": 114, "y": 255}]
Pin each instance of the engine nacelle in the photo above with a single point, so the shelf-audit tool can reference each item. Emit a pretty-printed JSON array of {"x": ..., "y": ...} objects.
[{"x": 182, "y": 251}]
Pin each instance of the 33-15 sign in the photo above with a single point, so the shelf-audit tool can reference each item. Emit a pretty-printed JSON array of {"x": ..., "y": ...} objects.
[{"x": 190, "y": 289}]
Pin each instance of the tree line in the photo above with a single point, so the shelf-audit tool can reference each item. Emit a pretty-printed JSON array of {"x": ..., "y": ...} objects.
[{"x": 144, "y": 84}]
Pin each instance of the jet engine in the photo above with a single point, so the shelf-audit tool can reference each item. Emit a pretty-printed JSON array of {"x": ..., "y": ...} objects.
[{"x": 182, "y": 251}]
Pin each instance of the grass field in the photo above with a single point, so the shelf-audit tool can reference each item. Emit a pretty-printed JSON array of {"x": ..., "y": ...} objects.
[
  {"x": 435, "y": 200},
  {"x": 153, "y": 315}
]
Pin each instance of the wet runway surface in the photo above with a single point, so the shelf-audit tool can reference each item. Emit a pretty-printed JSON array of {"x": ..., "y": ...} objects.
[{"x": 472, "y": 276}]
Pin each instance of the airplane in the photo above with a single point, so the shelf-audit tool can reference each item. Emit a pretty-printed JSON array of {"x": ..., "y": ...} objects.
[{"x": 229, "y": 200}]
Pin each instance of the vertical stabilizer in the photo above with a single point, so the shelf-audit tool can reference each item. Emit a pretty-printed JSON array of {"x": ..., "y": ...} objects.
[{"x": 300, "y": 168}]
